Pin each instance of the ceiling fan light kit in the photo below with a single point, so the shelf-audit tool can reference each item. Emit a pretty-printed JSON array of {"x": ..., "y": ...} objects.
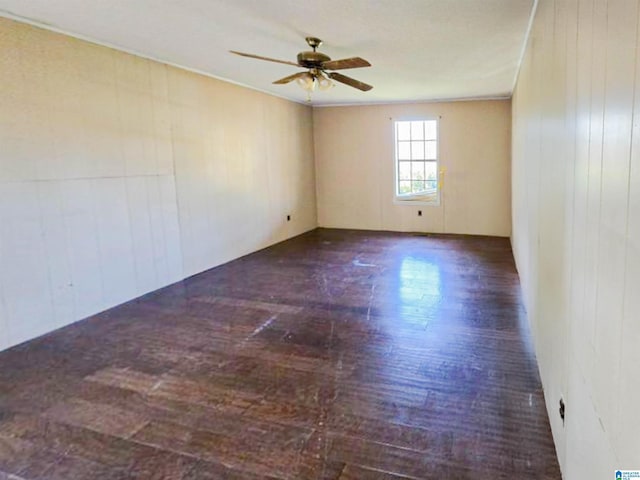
[
  {"x": 317, "y": 64},
  {"x": 313, "y": 80}
]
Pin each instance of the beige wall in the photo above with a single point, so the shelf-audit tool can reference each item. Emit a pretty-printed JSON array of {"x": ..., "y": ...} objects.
[
  {"x": 120, "y": 175},
  {"x": 576, "y": 225},
  {"x": 354, "y": 153},
  {"x": 244, "y": 161}
]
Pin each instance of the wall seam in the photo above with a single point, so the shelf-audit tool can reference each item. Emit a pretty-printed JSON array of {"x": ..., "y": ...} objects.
[{"x": 179, "y": 210}]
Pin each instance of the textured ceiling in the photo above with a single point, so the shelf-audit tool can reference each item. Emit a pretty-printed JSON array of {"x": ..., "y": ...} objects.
[{"x": 419, "y": 49}]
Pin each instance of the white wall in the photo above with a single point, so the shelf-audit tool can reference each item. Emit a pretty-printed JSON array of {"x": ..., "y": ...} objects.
[
  {"x": 244, "y": 160},
  {"x": 576, "y": 225},
  {"x": 93, "y": 143},
  {"x": 354, "y": 154}
]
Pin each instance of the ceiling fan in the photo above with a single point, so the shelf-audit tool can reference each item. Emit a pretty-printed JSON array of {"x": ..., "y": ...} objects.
[{"x": 317, "y": 64}]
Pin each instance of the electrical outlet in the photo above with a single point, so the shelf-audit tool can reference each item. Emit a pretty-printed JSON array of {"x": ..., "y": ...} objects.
[
  {"x": 561, "y": 410},
  {"x": 288, "y": 218},
  {"x": 419, "y": 213}
]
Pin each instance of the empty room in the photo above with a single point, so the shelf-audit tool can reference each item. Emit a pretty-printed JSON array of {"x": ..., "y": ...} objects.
[{"x": 337, "y": 240}]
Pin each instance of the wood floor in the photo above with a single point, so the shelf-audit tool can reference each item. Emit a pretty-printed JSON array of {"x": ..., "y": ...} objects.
[{"x": 336, "y": 355}]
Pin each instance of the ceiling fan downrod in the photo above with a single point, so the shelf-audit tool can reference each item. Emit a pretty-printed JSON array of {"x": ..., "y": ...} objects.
[{"x": 313, "y": 42}]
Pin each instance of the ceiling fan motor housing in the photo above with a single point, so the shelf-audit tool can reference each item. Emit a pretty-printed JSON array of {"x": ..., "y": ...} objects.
[{"x": 312, "y": 59}]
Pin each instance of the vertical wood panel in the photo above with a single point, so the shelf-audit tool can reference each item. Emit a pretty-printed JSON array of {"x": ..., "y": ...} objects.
[
  {"x": 622, "y": 19},
  {"x": 4, "y": 315},
  {"x": 168, "y": 224},
  {"x": 4, "y": 324},
  {"x": 54, "y": 234},
  {"x": 581, "y": 170},
  {"x": 145, "y": 262},
  {"x": 25, "y": 284},
  {"x": 83, "y": 247},
  {"x": 114, "y": 239},
  {"x": 627, "y": 426}
]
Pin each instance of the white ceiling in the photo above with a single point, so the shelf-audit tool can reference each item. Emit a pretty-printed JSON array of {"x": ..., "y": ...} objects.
[{"x": 419, "y": 49}]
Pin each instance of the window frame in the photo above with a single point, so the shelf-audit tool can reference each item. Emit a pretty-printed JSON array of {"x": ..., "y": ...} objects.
[{"x": 416, "y": 198}]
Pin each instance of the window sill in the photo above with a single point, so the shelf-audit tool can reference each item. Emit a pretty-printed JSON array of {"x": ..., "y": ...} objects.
[{"x": 416, "y": 201}]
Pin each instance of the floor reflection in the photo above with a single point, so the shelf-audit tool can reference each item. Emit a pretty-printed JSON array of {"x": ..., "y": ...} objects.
[{"x": 419, "y": 280}]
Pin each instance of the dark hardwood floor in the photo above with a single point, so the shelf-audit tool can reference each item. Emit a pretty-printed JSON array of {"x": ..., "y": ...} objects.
[{"x": 336, "y": 355}]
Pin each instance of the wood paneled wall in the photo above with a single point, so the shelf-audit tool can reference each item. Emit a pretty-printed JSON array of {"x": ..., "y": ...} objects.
[
  {"x": 354, "y": 153},
  {"x": 120, "y": 175},
  {"x": 576, "y": 224}
]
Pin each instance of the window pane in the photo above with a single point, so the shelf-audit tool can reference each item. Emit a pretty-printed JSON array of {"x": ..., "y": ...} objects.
[
  {"x": 417, "y": 150},
  {"x": 417, "y": 186},
  {"x": 417, "y": 130},
  {"x": 430, "y": 150},
  {"x": 404, "y": 151},
  {"x": 431, "y": 171},
  {"x": 417, "y": 171},
  {"x": 404, "y": 130},
  {"x": 430, "y": 130},
  {"x": 416, "y": 161},
  {"x": 404, "y": 187},
  {"x": 405, "y": 171}
]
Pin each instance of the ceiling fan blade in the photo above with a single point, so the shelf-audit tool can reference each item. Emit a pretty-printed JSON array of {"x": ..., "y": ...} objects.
[
  {"x": 291, "y": 78},
  {"x": 352, "y": 82},
  {"x": 353, "y": 62},
  {"x": 264, "y": 58}
]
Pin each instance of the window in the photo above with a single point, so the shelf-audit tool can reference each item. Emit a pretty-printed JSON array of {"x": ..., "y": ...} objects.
[{"x": 417, "y": 161}]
